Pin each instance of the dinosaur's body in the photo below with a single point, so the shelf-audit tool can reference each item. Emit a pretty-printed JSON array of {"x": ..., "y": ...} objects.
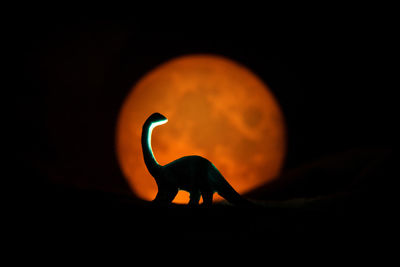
[{"x": 194, "y": 174}]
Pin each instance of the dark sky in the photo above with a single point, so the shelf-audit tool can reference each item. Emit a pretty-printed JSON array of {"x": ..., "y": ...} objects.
[{"x": 331, "y": 79}]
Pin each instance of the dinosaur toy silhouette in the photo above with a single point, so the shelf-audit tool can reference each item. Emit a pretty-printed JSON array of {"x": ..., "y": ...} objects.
[{"x": 194, "y": 174}]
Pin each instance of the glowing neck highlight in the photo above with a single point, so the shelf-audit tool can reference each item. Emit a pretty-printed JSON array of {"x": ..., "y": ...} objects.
[{"x": 152, "y": 126}]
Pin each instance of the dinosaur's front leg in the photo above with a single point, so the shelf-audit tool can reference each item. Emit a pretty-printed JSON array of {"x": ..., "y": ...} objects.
[{"x": 165, "y": 196}]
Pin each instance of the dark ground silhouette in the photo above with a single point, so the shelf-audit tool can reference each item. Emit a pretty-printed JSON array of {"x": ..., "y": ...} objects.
[{"x": 357, "y": 208}]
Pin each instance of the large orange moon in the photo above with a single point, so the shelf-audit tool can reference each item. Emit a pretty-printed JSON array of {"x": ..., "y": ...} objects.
[{"x": 217, "y": 109}]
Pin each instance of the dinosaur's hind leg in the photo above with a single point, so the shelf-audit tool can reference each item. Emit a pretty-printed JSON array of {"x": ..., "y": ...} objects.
[
  {"x": 207, "y": 197},
  {"x": 194, "y": 198}
]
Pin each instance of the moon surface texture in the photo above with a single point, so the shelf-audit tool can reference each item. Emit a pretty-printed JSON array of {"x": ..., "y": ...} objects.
[{"x": 217, "y": 109}]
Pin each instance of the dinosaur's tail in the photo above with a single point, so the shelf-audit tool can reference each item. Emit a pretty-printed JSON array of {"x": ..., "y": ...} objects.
[{"x": 224, "y": 189}]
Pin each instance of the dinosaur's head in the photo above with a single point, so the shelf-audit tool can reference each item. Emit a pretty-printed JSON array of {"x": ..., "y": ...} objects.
[{"x": 156, "y": 119}]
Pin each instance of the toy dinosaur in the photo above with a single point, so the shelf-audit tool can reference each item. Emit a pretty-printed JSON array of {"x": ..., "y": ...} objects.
[{"x": 194, "y": 174}]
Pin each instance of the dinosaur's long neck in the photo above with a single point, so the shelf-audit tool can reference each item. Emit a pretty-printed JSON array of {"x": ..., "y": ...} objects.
[{"x": 151, "y": 162}]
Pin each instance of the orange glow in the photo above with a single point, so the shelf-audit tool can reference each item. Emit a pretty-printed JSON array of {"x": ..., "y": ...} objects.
[{"x": 217, "y": 109}]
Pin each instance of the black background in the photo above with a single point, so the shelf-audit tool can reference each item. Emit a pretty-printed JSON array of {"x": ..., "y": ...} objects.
[{"x": 330, "y": 74}]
